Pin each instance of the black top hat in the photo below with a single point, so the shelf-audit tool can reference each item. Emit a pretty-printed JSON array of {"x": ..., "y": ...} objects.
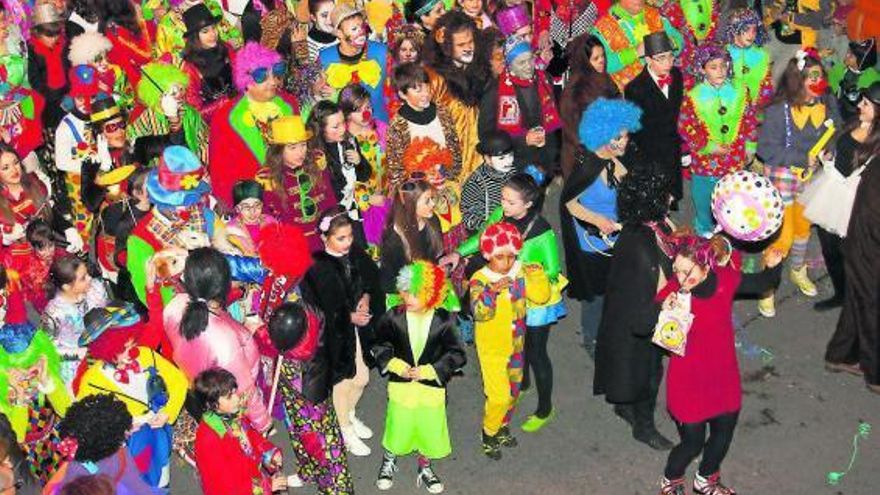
[
  {"x": 656, "y": 43},
  {"x": 104, "y": 109},
  {"x": 495, "y": 143},
  {"x": 872, "y": 93},
  {"x": 865, "y": 53},
  {"x": 198, "y": 17}
]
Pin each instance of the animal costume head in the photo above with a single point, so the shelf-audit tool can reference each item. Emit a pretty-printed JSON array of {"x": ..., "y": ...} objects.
[
  {"x": 605, "y": 119},
  {"x": 251, "y": 57},
  {"x": 424, "y": 280}
]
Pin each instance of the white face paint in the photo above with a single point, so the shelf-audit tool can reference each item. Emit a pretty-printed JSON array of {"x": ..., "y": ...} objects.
[
  {"x": 502, "y": 163},
  {"x": 322, "y": 18}
]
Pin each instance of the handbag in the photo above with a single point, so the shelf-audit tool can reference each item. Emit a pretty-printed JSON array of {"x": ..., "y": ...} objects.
[
  {"x": 828, "y": 200},
  {"x": 673, "y": 325}
]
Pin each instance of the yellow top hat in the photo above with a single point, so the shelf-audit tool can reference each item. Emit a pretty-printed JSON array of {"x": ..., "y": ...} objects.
[
  {"x": 115, "y": 176},
  {"x": 288, "y": 130}
]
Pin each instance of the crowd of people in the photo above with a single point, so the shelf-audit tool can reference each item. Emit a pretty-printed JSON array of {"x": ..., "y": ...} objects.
[{"x": 222, "y": 217}]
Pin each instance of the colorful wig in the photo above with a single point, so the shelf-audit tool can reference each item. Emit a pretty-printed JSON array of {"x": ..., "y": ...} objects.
[
  {"x": 158, "y": 78},
  {"x": 424, "y": 280},
  {"x": 86, "y": 47},
  {"x": 29, "y": 347},
  {"x": 423, "y": 154},
  {"x": 110, "y": 344},
  {"x": 250, "y": 57},
  {"x": 605, "y": 119},
  {"x": 500, "y": 237},
  {"x": 739, "y": 20},
  {"x": 707, "y": 253},
  {"x": 706, "y": 53}
]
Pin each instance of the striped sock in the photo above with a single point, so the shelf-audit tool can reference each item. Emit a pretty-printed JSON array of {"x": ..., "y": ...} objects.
[{"x": 798, "y": 254}]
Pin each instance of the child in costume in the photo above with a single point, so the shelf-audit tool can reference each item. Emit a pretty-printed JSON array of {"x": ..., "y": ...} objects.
[
  {"x": 34, "y": 397},
  {"x": 481, "y": 192},
  {"x": 718, "y": 126},
  {"x": 76, "y": 293},
  {"x": 294, "y": 334},
  {"x": 745, "y": 37},
  {"x": 792, "y": 127},
  {"x": 231, "y": 455},
  {"x": 498, "y": 295},
  {"x": 93, "y": 440},
  {"x": 241, "y": 234},
  {"x": 854, "y": 75},
  {"x": 417, "y": 346},
  {"x": 91, "y": 49},
  {"x": 697, "y": 21},
  {"x": 150, "y": 386},
  {"x": 521, "y": 207}
]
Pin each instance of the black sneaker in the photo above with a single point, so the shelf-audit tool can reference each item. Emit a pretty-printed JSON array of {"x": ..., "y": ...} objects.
[
  {"x": 386, "y": 472},
  {"x": 491, "y": 448},
  {"x": 505, "y": 438},
  {"x": 431, "y": 481},
  {"x": 652, "y": 438}
]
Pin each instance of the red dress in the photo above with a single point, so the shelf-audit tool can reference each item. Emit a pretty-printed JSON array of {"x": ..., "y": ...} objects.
[{"x": 705, "y": 382}]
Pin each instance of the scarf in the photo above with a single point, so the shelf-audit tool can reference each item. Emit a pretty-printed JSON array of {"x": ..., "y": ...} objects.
[
  {"x": 510, "y": 118},
  {"x": 55, "y": 76}
]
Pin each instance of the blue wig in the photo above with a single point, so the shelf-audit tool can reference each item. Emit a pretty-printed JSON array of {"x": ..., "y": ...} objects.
[{"x": 605, "y": 119}]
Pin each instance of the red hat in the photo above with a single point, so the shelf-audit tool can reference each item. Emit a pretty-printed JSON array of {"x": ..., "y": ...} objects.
[
  {"x": 501, "y": 236},
  {"x": 83, "y": 81}
]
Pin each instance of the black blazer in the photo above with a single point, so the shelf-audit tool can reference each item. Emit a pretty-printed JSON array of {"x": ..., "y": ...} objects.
[
  {"x": 658, "y": 137},
  {"x": 443, "y": 349}
]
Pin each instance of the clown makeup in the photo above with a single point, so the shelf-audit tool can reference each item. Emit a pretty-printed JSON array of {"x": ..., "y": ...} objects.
[
  {"x": 250, "y": 211},
  {"x": 208, "y": 36},
  {"x": 617, "y": 146},
  {"x": 597, "y": 59},
  {"x": 101, "y": 63},
  {"x": 10, "y": 169},
  {"x": 632, "y": 6},
  {"x": 114, "y": 132},
  {"x": 363, "y": 116},
  {"x": 523, "y": 66},
  {"x": 321, "y": 18},
  {"x": 473, "y": 8},
  {"x": 462, "y": 47},
  {"x": 688, "y": 273},
  {"x": 661, "y": 64},
  {"x": 501, "y": 163},
  {"x": 229, "y": 404},
  {"x": 501, "y": 262},
  {"x": 425, "y": 205},
  {"x": 352, "y": 32},
  {"x": 413, "y": 303},
  {"x": 294, "y": 155},
  {"x": 418, "y": 97},
  {"x": 513, "y": 205},
  {"x": 716, "y": 71},
  {"x": 429, "y": 20},
  {"x": 338, "y": 241},
  {"x": 814, "y": 81},
  {"x": 334, "y": 128},
  {"x": 745, "y": 38},
  {"x": 265, "y": 86},
  {"x": 407, "y": 52},
  {"x": 129, "y": 353}
]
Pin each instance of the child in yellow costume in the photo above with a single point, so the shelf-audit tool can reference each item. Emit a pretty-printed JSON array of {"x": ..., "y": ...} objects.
[{"x": 498, "y": 294}]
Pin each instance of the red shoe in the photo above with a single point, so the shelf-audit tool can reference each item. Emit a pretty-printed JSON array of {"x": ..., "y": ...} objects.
[
  {"x": 712, "y": 486},
  {"x": 671, "y": 487}
]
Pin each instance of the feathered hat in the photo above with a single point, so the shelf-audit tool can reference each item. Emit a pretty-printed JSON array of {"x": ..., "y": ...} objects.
[
  {"x": 423, "y": 154},
  {"x": 739, "y": 20},
  {"x": 706, "y": 53},
  {"x": 159, "y": 78},
  {"x": 605, "y": 119},
  {"x": 424, "y": 280},
  {"x": 85, "y": 48},
  {"x": 500, "y": 237},
  {"x": 250, "y": 57}
]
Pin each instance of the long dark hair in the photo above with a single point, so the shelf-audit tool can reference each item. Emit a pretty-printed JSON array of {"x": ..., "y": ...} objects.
[
  {"x": 275, "y": 164},
  {"x": 318, "y": 119},
  {"x": 32, "y": 189},
  {"x": 790, "y": 86},
  {"x": 871, "y": 146},
  {"x": 203, "y": 58},
  {"x": 118, "y": 12},
  {"x": 63, "y": 271},
  {"x": 206, "y": 278},
  {"x": 403, "y": 221}
]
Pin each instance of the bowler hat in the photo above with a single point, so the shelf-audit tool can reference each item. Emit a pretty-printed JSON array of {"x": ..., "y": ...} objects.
[{"x": 656, "y": 43}]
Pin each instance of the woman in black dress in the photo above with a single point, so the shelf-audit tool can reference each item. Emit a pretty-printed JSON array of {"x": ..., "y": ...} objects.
[{"x": 855, "y": 345}]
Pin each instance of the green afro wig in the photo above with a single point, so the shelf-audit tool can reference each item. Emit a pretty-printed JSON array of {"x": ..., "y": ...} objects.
[{"x": 162, "y": 75}]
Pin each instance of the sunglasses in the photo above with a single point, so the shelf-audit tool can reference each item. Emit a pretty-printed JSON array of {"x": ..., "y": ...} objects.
[
  {"x": 111, "y": 127},
  {"x": 307, "y": 206},
  {"x": 260, "y": 75},
  {"x": 411, "y": 182}
]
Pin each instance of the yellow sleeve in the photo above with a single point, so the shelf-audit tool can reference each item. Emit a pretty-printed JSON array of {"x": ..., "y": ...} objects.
[
  {"x": 59, "y": 398},
  {"x": 175, "y": 382},
  {"x": 397, "y": 366},
  {"x": 427, "y": 372},
  {"x": 537, "y": 284}
]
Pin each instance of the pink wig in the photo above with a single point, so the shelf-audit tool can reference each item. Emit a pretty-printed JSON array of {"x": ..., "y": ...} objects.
[{"x": 251, "y": 56}]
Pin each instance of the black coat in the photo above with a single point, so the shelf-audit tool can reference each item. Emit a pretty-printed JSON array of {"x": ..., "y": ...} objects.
[
  {"x": 659, "y": 138},
  {"x": 625, "y": 356},
  {"x": 315, "y": 375},
  {"x": 443, "y": 349},
  {"x": 327, "y": 287}
]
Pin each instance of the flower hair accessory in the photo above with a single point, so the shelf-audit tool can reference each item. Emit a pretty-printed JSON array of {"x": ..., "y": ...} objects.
[
  {"x": 324, "y": 226},
  {"x": 802, "y": 55},
  {"x": 68, "y": 447}
]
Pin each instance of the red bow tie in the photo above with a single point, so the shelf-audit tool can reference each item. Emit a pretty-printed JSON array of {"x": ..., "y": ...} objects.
[{"x": 664, "y": 81}]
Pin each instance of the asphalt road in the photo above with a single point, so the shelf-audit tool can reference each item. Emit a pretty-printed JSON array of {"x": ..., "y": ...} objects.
[{"x": 797, "y": 423}]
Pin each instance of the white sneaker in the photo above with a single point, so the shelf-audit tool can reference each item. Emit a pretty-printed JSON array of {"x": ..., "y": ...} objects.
[
  {"x": 294, "y": 481},
  {"x": 353, "y": 444},
  {"x": 361, "y": 430}
]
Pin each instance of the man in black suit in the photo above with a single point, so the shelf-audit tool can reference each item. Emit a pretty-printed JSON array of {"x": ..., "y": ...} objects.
[{"x": 659, "y": 90}]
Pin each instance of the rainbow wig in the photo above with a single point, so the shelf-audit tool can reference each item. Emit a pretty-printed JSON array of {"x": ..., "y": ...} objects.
[
  {"x": 604, "y": 120},
  {"x": 424, "y": 280},
  {"x": 159, "y": 78},
  {"x": 705, "y": 54},
  {"x": 250, "y": 57},
  {"x": 739, "y": 20}
]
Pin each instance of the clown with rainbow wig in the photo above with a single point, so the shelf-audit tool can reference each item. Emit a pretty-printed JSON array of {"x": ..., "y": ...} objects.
[{"x": 745, "y": 37}]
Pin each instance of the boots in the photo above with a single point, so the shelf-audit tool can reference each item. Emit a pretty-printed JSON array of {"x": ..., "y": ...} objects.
[
  {"x": 644, "y": 429},
  {"x": 491, "y": 447},
  {"x": 711, "y": 485},
  {"x": 802, "y": 280},
  {"x": 671, "y": 487},
  {"x": 360, "y": 429},
  {"x": 767, "y": 306}
]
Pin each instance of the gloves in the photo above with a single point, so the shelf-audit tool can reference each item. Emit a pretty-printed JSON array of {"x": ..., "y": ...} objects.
[
  {"x": 686, "y": 161},
  {"x": 169, "y": 105},
  {"x": 74, "y": 241},
  {"x": 14, "y": 235}
]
